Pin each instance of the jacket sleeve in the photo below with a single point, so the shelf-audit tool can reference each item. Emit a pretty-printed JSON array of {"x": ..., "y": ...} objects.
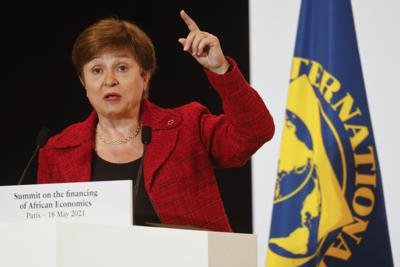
[{"x": 231, "y": 138}]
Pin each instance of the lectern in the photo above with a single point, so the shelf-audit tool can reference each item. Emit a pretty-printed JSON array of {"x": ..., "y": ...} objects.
[{"x": 71, "y": 244}]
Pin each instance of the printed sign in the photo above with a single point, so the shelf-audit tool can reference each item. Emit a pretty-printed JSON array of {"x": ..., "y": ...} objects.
[{"x": 107, "y": 202}]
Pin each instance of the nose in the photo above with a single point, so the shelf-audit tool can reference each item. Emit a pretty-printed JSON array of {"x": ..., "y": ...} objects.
[{"x": 110, "y": 80}]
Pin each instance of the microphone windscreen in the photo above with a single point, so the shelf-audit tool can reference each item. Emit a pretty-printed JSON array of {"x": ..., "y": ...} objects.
[
  {"x": 43, "y": 136},
  {"x": 146, "y": 135}
]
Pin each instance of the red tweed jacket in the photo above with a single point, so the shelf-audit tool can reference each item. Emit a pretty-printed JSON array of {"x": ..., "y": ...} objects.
[{"x": 187, "y": 144}]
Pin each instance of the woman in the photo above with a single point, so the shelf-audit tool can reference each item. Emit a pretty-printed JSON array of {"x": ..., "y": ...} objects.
[{"x": 115, "y": 61}]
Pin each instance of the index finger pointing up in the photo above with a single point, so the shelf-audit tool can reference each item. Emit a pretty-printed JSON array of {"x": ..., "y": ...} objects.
[{"x": 189, "y": 22}]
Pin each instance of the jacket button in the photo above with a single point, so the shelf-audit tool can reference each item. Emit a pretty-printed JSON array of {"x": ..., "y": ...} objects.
[{"x": 170, "y": 122}]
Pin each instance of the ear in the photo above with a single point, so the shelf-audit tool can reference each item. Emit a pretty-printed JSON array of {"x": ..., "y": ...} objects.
[
  {"x": 82, "y": 81},
  {"x": 146, "y": 78}
]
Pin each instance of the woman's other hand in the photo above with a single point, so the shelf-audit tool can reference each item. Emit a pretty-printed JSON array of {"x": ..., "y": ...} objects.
[{"x": 203, "y": 46}]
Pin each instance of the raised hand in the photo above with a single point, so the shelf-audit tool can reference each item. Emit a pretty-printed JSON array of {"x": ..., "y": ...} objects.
[{"x": 203, "y": 46}]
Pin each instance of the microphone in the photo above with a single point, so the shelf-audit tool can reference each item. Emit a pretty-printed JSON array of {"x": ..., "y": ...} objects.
[
  {"x": 146, "y": 135},
  {"x": 146, "y": 139},
  {"x": 41, "y": 140}
]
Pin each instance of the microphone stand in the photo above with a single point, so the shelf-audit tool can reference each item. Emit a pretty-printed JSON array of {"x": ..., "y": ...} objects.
[
  {"x": 28, "y": 165},
  {"x": 41, "y": 140},
  {"x": 146, "y": 139},
  {"x": 136, "y": 186}
]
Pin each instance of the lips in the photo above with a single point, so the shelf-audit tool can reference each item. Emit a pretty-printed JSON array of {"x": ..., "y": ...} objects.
[{"x": 111, "y": 97}]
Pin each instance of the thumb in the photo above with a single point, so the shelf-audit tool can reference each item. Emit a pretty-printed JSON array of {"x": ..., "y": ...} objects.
[{"x": 182, "y": 41}]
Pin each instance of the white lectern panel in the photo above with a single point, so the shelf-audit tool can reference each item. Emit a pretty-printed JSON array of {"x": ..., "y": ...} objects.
[{"x": 59, "y": 244}]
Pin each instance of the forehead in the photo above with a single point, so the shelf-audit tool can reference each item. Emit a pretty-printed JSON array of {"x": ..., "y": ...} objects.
[{"x": 112, "y": 55}]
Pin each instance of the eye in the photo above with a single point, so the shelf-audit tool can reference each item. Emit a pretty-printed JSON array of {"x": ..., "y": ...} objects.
[
  {"x": 122, "y": 68},
  {"x": 96, "y": 70}
]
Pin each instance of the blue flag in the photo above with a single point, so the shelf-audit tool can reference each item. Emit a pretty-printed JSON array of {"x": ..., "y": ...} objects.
[{"x": 328, "y": 204}]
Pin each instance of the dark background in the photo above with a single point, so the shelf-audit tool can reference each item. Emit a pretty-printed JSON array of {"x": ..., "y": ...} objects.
[{"x": 40, "y": 88}]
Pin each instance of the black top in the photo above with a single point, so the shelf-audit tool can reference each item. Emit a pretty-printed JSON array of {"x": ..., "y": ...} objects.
[{"x": 103, "y": 170}]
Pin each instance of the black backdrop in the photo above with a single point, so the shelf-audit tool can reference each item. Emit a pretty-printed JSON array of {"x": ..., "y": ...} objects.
[{"x": 42, "y": 89}]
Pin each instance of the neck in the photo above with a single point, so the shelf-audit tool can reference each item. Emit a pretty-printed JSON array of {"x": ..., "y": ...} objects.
[{"x": 117, "y": 127}]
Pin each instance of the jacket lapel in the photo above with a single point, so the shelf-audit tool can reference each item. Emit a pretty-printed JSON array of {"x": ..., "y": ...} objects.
[
  {"x": 164, "y": 136},
  {"x": 74, "y": 148}
]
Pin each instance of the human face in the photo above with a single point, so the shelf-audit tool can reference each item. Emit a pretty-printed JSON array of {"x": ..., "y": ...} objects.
[{"x": 114, "y": 84}]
